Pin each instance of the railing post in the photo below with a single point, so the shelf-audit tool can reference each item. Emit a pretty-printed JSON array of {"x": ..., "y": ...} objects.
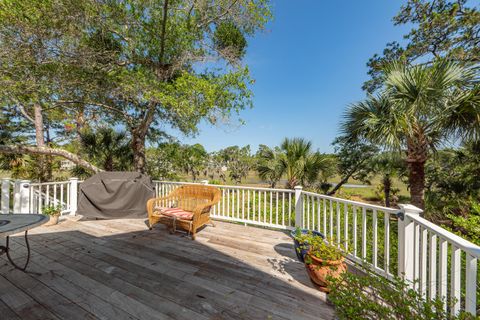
[
  {"x": 406, "y": 241},
  {"x": 298, "y": 207},
  {"x": 21, "y": 196},
  {"x": 5, "y": 199},
  {"x": 73, "y": 196}
]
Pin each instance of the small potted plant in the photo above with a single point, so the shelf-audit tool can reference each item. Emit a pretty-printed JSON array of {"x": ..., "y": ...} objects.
[
  {"x": 300, "y": 241},
  {"x": 53, "y": 212},
  {"x": 324, "y": 261}
]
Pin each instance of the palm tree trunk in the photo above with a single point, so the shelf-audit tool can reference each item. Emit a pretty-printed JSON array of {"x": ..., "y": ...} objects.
[
  {"x": 387, "y": 187},
  {"x": 416, "y": 179}
]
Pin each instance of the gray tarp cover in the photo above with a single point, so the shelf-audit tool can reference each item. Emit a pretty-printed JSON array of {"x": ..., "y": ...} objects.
[{"x": 113, "y": 195}]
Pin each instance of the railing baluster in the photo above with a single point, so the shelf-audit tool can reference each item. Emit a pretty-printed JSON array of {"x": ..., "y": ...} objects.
[
  {"x": 324, "y": 217},
  {"x": 47, "y": 195},
  {"x": 416, "y": 271},
  {"x": 345, "y": 224},
  {"x": 40, "y": 209},
  {"x": 248, "y": 205},
  {"x": 432, "y": 290},
  {"x": 243, "y": 204},
  {"x": 271, "y": 212},
  {"x": 289, "y": 209},
  {"x": 375, "y": 236},
  {"x": 264, "y": 206},
  {"x": 471, "y": 284},
  {"x": 276, "y": 208},
  {"x": 456, "y": 272},
  {"x": 55, "y": 194},
  {"x": 442, "y": 270},
  {"x": 331, "y": 220},
  {"x": 354, "y": 222},
  {"x": 238, "y": 203},
  {"x": 307, "y": 198},
  {"x": 259, "y": 205},
  {"x": 338, "y": 239},
  {"x": 62, "y": 196},
  {"x": 423, "y": 262},
  {"x": 386, "y": 243},
  {"x": 317, "y": 200},
  {"x": 283, "y": 208},
  {"x": 253, "y": 204},
  {"x": 364, "y": 233},
  {"x": 223, "y": 202}
]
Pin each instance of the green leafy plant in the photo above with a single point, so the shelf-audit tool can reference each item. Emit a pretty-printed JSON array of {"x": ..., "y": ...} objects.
[
  {"x": 323, "y": 249},
  {"x": 52, "y": 210},
  {"x": 368, "y": 296}
]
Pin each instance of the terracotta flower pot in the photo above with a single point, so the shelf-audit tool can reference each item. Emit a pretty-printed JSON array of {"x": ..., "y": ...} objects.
[
  {"x": 319, "y": 270},
  {"x": 53, "y": 220}
]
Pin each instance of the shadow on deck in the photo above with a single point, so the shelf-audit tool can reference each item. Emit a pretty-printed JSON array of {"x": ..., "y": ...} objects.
[{"x": 118, "y": 269}]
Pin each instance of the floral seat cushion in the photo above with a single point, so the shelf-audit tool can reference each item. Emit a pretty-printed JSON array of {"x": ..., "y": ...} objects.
[{"x": 174, "y": 213}]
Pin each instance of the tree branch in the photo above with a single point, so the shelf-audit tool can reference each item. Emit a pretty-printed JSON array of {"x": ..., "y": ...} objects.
[
  {"x": 19, "y": 149},
  {"x": 164, "y": 26}
]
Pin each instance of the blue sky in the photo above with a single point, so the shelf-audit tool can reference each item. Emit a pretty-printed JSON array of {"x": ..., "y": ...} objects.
[{"x": 308, "y": 65}]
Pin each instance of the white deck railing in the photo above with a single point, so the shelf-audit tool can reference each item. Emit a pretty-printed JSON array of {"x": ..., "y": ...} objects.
[{"x": 390, "y": 241}]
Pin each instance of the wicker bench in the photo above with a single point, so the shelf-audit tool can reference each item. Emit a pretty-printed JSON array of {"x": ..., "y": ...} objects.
[{"x": 187, "y": 207}]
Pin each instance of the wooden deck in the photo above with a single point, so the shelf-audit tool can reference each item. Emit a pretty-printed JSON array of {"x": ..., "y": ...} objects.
[{"x": 119, "y": 269}]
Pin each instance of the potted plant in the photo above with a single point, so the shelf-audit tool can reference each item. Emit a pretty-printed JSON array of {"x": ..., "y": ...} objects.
[
  {"x": 300, "y": 241},
  {"x": 53, "y": 212},
  {"x": 324, "y": 262}
]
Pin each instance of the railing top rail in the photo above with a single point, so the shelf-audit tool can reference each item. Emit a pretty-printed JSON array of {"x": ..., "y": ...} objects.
[
  {"x": 459, "y": 242},
  {"x": 229, "y": 186},
  {"x": 354, "y": 203},
  {"x": 36, "y": 184}
]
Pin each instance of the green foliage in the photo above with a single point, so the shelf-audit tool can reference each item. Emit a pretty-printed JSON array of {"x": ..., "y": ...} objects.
[
  {"x": 52, "y": 210},
  {"x": 107, "y": 148},
  {"x": 449, "y": 29},
  {"x": 192, "y": 159},
  {"x": 325, "y": 249},
  {"x": 269, "y": 167},
  {"x": 414, "y": 112},
  {"x": 353, "y": 156},
  {"x": 229, "y": 40},
  {"x": 368, "y": 296},
  {"x": 238, "y": 161},
  {"x": 295, "y": 160},
  {"x": 139, "y": 64}
]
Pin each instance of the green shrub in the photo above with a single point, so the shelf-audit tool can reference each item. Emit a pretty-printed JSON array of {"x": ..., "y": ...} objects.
[{"x": 369, "y": 296}]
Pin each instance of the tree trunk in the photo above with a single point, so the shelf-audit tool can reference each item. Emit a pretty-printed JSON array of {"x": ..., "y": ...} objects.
[
  {"x": 138, "y": 147},
  {"x": 387, "y": 187},
  {"x": 42, "y": 162},
  {"x": 39, "y": 128},
  {"x": 8, "y": 149},
  {"x": 416, "y": 180}
]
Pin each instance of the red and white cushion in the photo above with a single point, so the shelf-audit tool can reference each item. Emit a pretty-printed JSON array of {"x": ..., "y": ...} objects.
[{"x": 175, "y": 212}]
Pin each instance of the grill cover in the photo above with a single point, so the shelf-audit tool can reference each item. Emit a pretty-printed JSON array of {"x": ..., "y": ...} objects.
[{"x": 113, "y": 195}]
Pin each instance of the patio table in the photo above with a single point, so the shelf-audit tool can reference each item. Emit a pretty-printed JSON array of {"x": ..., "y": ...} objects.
[{"x": 15, "y": 223}]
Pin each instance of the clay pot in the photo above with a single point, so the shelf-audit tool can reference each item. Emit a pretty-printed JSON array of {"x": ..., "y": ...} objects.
[
  {"x": 53, "y": 220},
  {"x": 319, "y": 270}
]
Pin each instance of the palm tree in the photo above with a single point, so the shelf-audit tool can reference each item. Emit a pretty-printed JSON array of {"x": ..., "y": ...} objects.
[
  {"x": 268, "y": 167},
  {"x": 388, "y": 165},
  {"x": 419, "y": 108},
  {"x": 107, "y": 148},
  {"x": 295, "y": 160}
]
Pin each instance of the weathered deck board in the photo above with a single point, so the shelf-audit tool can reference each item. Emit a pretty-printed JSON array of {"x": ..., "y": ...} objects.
[{"x": 118, "y": 269}]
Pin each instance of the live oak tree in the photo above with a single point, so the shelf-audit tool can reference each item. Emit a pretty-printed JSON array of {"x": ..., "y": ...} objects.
[
  {"x": 139, "y": 64},
  {"x": 441, "y": 29}
]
